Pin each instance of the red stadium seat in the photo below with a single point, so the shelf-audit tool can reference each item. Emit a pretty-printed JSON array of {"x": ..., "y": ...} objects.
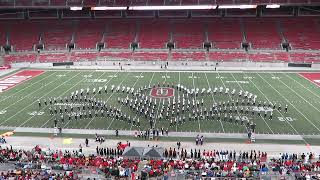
[{"x": 225, "y": 34}]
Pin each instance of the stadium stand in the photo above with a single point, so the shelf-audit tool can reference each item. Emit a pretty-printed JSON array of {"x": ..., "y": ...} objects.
[
  {"x": 2, "y": 34},
  {"x": 262, "y": 57},
  {"x": 159, "y": 37},
  {"x": 188, "y": 56},
  {"x": 83, "y": 56},
  {"x": 302, "y": 33},
  {"x": 188, "y": 35},
  {"x": 305, "y": 57},
  {"x": 219, "y": 56},
  {"x": 54, "y": 57},
  {"x": 120, "y": 34},
  {"x": 227, "y": 56},
  {"x": 88, "y": 34},
  {"x": 26, "y": 39},
  {"x": 57, "y": 35},
  {"x": 144, "y": 56},
  {"x": 262, "y": 34},
  {"x": 19, "y": 58},
  {"x": 115, "y": 55},
  {"x": 225, "y": 34},
  {"x": 228, "y": 34}
]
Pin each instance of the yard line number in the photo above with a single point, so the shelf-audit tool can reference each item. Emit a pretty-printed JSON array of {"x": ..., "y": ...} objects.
[{"x": 289, "y": 119}]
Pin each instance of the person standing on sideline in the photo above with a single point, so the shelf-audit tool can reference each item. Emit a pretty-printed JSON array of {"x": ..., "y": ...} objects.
[
  {"x": 87, "y": 142},
  {"x": 179, "y": 144}
]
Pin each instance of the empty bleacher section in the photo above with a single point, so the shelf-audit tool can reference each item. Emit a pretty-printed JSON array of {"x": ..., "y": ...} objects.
[
  {"x": 88, "y": 34},
  {"x": 120, "y": 34},
  {"x": 227, "y": 56},
  {"x": 24, "y": 40},
  {"x": 115, "y": 55},
  {"x": 189, "y": 35},
  {"x": 56, "y": 34},
  {"x": 2, "y": 34},
  {"x": 225, "y": 34},
  {"x": 83, "y": 56},
  {"x": 188, "y": 56},
  {"x": 218, "y": 56},
  {"x": 302, "y": 33},
  {"x": 305, "y": 57},
  {"x": 20, "y": 58},
  {"x": 151, "y": 35},
  {"x": 53, "y": 57},
  {"x": 145, "y": 56},
  {"x": 149, "y": 38},
  {"x": 262, "y": 33}
]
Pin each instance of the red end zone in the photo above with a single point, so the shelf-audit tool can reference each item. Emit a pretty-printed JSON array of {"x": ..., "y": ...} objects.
[
  {"x": 18, "y": 78},
  {"x": 313, "y": 77}
]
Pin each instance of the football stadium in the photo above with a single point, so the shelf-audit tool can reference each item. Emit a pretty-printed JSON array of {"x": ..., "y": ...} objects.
[{"x": 160, "y": 89}]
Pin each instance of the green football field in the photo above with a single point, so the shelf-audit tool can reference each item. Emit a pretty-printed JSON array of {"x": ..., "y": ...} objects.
[{"x": 19, "y": 105}]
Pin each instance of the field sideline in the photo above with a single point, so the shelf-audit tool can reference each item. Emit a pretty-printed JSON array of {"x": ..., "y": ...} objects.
[{"x": 19, "y": 107}]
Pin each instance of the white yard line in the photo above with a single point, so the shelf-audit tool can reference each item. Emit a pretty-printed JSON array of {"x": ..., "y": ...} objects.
[
  {"x": 45, "y": 106},
  {"x": 113, "y": 76},
  {"x": 195, "y": 100},
  {"x": 244, "y": 91},
  {"x": 209, "y": 86},
  {"x": 108, "y": 98},
  {"x": 29, "y": 95},
  {"x": 148, "y": 86},
  {"x": 298, "y": 94},
  {"x": 270, "y": 101},
  {"x": 66, "y": 93},
  {"x": 155, "y": 120},
  {"x": 40, "y": 98},
  {"x": 31, "y": 84},
  {"x": 289, "y": 102},
  {"x": 230, "y": 96},
  {"x": 178, "y": 96},
  {"x": 122, "y": 104},
  {"x": 309, "y": 79},
  {"x": 303, "y": 85}
]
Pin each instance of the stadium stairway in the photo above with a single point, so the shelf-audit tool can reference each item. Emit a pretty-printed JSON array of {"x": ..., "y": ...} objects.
[
  {"x": 1, "y": 61},
  {"x": 37, "y": 58}
]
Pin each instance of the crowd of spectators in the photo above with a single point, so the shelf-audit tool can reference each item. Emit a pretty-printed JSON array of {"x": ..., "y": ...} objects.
[
  {"x": 208, "y": 163},
  {"x": 54, "y": 164},
  {"x": 305, "y": 165},
  {"x": 57, "y": 164}
]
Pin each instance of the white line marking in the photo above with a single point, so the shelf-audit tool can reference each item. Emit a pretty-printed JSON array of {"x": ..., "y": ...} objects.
[
  {"x": 229, "y": 96},
  {"x": 66, "y": 93},
  {"x": 137, "y": 79},
  {"x": 195, "y": 101},
  {"x": 303, "y": 85},
  {"x": 289, "y": 102},
  {"x": 260, "y": 116},
  {"x": 31, "y": 84},
  {"x": 155, "y": 121},
  {"x": 35, "y": 101},
  {"x": 213, "y": 99},
  {"x": 148, "y": 86},
  {"x": 299, "y": 95},
  {"x": 41, "y": 109},
  {"x": 108, "y": 99}
]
